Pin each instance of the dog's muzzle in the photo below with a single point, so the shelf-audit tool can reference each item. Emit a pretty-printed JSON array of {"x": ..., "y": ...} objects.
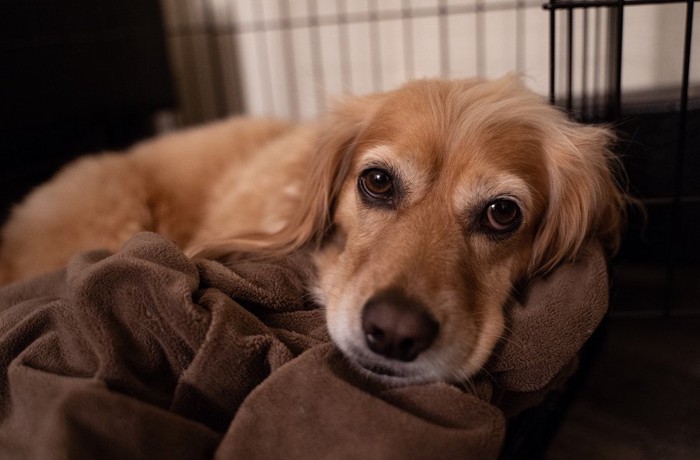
[{"x": 397, "y": 327}]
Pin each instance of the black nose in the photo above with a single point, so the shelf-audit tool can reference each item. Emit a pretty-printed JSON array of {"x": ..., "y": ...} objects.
[{"x": 397, "y": 327}]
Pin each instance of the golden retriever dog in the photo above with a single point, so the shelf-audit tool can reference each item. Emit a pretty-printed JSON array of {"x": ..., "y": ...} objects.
[{"x": 422, "y": 208}]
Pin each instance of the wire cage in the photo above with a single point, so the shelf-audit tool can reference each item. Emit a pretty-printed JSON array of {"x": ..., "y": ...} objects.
[
  {"x": 288, "y": 58},
  {"x": 659, "y": 127}
]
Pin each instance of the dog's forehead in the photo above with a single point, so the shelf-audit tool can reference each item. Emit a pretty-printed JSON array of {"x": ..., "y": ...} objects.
[
  {"x": 454, "y": 152},
  {"x": 444, "y": 118}
]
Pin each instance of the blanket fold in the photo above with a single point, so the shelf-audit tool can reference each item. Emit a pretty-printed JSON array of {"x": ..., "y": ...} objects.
[{"x": 147, "y": 354}]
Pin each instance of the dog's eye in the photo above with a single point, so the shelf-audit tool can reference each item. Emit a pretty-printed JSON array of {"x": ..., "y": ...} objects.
[
  {"x": 377, "y": 184},
  {"x": 502, "y": 216}
]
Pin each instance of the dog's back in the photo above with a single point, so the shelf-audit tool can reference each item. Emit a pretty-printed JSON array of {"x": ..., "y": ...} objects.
[{"x": 99, "y": 201}]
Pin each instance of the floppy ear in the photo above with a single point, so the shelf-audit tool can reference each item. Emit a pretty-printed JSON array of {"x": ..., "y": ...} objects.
[
  {"x": 585, "y": 201},
  {"x": 331, "y": 162}
]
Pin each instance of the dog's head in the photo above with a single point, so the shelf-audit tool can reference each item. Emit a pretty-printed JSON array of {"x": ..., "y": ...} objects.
[{"x": 430, "y": 203}]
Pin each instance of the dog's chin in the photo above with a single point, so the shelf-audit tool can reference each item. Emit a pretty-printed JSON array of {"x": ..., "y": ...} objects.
[
  {"x": 383, "y": 371},
  {"x": 390, "y": 372}
]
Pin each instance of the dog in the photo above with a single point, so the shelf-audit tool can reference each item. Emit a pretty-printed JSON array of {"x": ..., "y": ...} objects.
[{"x": 423, "y": 209}]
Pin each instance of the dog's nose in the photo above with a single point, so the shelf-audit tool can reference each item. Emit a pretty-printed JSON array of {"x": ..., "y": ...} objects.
[{"x": 397, "y": 327}]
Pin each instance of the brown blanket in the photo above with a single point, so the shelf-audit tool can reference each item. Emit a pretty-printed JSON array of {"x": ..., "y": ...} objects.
[{"x": 146, "y": 354}]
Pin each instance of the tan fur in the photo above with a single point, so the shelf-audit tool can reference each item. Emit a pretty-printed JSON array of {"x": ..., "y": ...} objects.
[{"x": 245, "y": 184}]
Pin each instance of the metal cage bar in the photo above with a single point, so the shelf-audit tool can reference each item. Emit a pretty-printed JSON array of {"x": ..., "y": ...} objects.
[
  {"x": 301, "y": 49},
  {"x": 613, "y": 111},
  {"x": 680, "y": 158}
]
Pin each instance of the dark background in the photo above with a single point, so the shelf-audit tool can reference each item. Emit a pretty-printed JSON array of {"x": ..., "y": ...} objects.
[{"x": 76, "y": 76}]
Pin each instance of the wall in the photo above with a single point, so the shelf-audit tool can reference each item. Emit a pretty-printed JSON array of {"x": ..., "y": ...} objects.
[{"x": 288, "y": 57}]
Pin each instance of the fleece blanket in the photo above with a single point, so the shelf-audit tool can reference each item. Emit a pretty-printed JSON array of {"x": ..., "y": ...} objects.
[{"x": 147, "y": 354}]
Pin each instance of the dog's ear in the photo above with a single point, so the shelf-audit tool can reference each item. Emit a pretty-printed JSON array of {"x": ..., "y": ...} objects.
[
  {"x": 332, "y": 159},
  {"x": 585, "y": 200},
  {"x": 332, "y": 156}
]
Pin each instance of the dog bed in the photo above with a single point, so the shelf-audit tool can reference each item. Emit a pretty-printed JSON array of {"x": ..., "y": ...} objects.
[{"x": 147, "y": 354}]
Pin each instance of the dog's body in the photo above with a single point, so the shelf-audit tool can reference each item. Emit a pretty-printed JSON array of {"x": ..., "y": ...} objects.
[{"x": 422, "y": 207}]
